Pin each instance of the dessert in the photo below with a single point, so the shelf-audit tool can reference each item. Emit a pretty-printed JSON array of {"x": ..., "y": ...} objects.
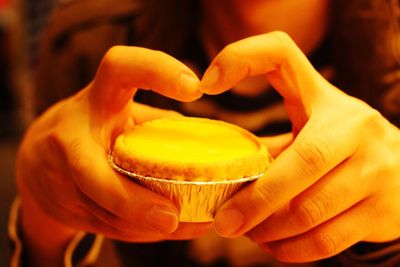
[
  {"x": 195, "y": 162},
  {"x": 190, "y": 149}
]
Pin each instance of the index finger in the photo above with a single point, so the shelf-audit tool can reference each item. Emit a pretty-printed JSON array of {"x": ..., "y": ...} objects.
[
  {"x": 125, "y": 69},
  {"x": 274, "y": 54}
]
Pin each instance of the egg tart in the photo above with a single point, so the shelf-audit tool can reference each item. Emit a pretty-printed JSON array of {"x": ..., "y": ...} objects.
[{"x": 190, "y": 149}]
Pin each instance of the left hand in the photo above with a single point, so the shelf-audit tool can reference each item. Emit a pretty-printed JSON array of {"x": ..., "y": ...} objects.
[{"x": 338, "y": 181}]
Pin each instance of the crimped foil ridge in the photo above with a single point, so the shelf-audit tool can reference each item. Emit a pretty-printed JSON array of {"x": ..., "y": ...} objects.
[{"x": 196, "y": 200}]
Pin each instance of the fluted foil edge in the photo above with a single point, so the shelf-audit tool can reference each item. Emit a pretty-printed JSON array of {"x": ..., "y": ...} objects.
[{"x": 196, "y": 200}]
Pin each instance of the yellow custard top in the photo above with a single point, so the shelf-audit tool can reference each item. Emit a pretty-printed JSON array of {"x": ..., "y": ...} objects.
[
  {"x": 187, "y": 140},
  {"x": 194, "y": 149}
]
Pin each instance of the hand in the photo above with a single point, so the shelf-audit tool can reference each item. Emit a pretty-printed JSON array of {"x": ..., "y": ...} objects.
[
  {"x": 63, "y": 175},
  {"x": 337, "y": 182}
]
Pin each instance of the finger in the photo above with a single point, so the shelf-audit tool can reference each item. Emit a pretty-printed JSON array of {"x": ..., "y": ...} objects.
[
  {"x": 116, "y": 199},
  {"x": 129, "y": 233},
  {"x": 314, "y": 152},
  {"x": 327, "y": 198},
  {"x": 328, "y": 239},
  {"x": 125, "y": 230},
  {"x": 187, "y": 231},
  {"x": 124, "y": 69},
  {"x": 143, "y": 113},
  {"x": 276, "y": 144},
  {"x": 121, "y": 217},
  {"x": 84, "y": 219},
  {"x": 274, "y": 54}
]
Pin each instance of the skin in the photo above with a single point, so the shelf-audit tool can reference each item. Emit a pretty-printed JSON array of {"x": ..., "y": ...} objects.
[
  {"x": 328, "y": 200},
  {"x": 64, "y": 179},
  {"x": 343, "y": 183},
  {"x": 227, "y": 21}
]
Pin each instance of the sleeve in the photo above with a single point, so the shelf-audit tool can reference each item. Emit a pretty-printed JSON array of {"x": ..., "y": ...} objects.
[
  {"x": 370, "y": 254},
  {"x": 366, "y": 254},
  {"x": 83, "y": 250}
]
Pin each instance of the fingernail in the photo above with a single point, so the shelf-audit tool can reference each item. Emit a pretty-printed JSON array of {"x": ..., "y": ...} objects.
[
  {"x": 189, "y": 86},
  {"x": 210, "y": 79},
  {"x": 162, "y": 219},
  {"x": 227, "y": 222}
]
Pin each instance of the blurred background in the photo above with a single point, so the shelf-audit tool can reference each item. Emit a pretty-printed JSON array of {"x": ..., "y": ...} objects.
[
  {"x": 11, "y": 44},
  {"x": 17, "y": 39}
]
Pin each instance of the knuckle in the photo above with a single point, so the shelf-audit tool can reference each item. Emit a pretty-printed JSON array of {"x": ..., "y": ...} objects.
[
  {"x": 55, "y": 141},
  {"x": 232, "y": 54},
  {"x": 111, "y": 56},
  {"x": 231, "y": 49},
  {"x": 282, "y": 36},
  {"x": 283, "y": 39},
  {"x": 309, "y": 213},
  {"x": 390, "y": 164},
  {"x": 111, "y": 63},
  {"x": 383, "y": 170},
  {"x": 372, "y": 116},
  {"x": 368, "y": 119},
  {"x": 375, "y": 213},
  {"x": 375, "y": 123},
  {"x": 261, "y": 198},
  {"x": 314, "y": 155},
  {"x": 325, "y": 245},
  {"x": 78, "y": 164}
]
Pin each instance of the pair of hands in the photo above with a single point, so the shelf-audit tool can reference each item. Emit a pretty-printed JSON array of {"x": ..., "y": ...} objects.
[{"x": 336, "y": 183}]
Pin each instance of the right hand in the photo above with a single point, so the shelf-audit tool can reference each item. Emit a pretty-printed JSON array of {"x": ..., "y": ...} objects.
[{"x": 64, "y": 179}]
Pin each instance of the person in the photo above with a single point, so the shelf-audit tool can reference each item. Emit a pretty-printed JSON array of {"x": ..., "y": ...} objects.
[{"x": 332, "y": 193}]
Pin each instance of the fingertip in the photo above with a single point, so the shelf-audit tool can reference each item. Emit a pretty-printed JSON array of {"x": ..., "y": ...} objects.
[
  {"x": 228, "y": 222},
  {"x": 162, "y": 219},
  {"x": 188, "y": 87},
  {"x": 208, "y": 83}
]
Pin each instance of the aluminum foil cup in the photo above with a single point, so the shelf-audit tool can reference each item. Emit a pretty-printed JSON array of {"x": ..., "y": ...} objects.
[{"x": 197, "y": 201}]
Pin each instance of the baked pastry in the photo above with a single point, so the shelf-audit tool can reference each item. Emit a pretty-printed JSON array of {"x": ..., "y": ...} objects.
[{"x": 190, "y": 149}]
